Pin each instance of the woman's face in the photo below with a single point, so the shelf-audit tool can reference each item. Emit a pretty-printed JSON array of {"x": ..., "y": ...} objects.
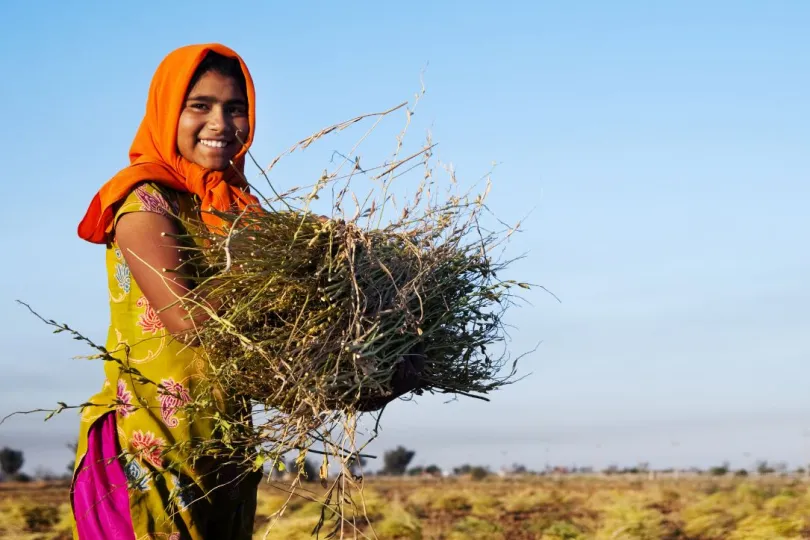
[{"x": 215, "y": 111}]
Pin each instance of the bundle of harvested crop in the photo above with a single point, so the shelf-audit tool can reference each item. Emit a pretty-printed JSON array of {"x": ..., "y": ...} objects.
[
  {"x": 317, "y": 316},
  {"x": 318, "y": 319}
]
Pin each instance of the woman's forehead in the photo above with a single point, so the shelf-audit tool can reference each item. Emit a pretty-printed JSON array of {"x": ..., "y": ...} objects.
[{"x": 215, "y": 86}]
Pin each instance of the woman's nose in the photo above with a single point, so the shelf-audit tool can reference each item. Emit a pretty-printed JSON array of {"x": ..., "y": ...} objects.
[{"x": 217, "y": 119}]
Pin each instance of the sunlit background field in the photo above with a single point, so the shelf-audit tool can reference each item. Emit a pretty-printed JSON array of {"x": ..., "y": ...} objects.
[{"x": 554, "y": 507}]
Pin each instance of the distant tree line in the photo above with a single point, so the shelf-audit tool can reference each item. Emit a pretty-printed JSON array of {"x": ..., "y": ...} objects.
[{"x": 397, "y": 461}]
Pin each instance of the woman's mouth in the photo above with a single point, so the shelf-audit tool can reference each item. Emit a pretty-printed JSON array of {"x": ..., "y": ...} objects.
[{"x": 212, "y": 143}]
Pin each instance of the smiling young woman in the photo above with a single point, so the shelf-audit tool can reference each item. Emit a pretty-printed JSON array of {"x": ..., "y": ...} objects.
[{"x": 134, "y": 477}]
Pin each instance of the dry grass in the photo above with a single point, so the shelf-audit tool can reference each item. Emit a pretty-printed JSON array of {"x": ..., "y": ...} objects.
[
  {"x": 530, "y": 508},
  {"x": 320, "y": 320}
]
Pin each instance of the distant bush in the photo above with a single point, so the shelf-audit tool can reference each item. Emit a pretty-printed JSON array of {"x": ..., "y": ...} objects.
[
  {"x": 720, "y": 470},
  {"x": 11, "y": 461},
  {"x": 530, "y": 500},
  {"x": 518, "y": 468},
  {"x": 305, "y": 468},
  {"x": 418, "y": 502},
  {"x": 399, "y": 523},
  {"x": 562, "y": 530},
  {"x": 472, "y": 528},
  {"x": 477, "y": 472},
  {"x": 711, "y": 517},
  {"x": 39, "y": 517},
  {"x": 396, "y": 461},
  {"x": 433, "y": 470},
  {"x": 628, "y": 518},
  {"x": 46, "y": 475},
  {"x": 452, "y": 502},
  {"x": 611, "y": 470},
  {"x": 484, "y": 505},
  {"x": 761, "y": 527}
]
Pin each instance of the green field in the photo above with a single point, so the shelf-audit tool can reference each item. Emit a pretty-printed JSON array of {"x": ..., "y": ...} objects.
[{"x": 602, "y": 508}]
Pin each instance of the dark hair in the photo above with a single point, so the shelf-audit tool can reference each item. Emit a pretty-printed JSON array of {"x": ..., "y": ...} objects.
[{"x": 229, "y": 67}]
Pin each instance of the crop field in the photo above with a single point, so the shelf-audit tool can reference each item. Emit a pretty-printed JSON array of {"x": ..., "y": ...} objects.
[{"x": 565, "y": 508}]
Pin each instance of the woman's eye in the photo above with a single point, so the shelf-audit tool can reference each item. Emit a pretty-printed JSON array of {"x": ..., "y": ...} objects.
[
  {"x": 199, "y": 106},
  {"x": 238, "y": 110}
]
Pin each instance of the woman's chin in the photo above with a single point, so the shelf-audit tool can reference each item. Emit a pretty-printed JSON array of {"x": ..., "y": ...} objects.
[{"x": 214, "y": 164}]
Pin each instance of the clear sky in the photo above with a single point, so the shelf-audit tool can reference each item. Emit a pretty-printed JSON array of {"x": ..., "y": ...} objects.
[{"x": 659, "y": 148}]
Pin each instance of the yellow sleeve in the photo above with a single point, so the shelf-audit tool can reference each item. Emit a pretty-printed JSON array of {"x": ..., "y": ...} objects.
[{"x": 147, "y": 197}]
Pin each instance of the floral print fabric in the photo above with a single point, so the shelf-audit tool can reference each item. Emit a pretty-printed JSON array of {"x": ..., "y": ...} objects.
[{"x": 149, "y": 386}]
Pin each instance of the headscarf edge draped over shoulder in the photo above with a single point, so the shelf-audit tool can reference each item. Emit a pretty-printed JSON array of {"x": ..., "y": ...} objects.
[{"x": 154, "y": 156}]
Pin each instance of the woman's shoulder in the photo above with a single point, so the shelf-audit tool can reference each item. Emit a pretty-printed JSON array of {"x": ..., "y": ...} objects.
[{"x": 149, "y": 196}]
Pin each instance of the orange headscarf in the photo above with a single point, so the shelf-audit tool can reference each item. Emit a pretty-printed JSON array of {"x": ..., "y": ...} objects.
[{"x": 154, "y": 156}]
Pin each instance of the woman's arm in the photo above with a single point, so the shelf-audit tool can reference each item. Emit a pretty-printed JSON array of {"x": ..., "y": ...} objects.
[
  {"x": 152, "y": 253},
  {"x": 147, "y": 243}
]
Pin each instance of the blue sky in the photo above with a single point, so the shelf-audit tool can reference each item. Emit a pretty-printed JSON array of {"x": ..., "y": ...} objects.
[{"x": 659, "y": 149}]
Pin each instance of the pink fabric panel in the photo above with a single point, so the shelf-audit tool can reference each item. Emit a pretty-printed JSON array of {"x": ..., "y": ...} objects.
[{"x": 100, "y": 498}]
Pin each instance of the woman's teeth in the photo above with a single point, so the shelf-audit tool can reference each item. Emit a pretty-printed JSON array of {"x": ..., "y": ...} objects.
[{"x": 213, "y": 144}]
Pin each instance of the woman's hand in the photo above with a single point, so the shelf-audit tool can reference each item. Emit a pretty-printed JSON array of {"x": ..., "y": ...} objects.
[{"x": 407, "y": 378}]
